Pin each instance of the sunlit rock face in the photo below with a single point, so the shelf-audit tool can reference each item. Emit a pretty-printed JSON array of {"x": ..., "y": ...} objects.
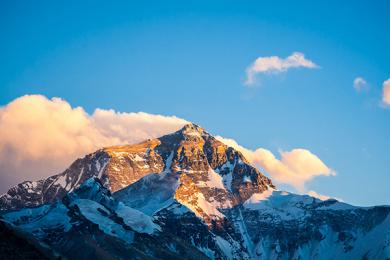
[
  {"x": 186, "y": 195},
  {"x": 208, "y": 171},
  {"x": 34, "y": 193}
]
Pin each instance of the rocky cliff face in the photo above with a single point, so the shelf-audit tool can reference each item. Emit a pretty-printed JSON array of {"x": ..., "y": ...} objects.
[
  {"x": 89, "y": 223},
  {"x": 191, "y": 152},
  {"x": 14, "y": 245},
  {"x": 188, "y": 196}
]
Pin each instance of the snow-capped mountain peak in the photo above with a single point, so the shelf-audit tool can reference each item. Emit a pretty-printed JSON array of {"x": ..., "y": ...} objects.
[
  {"x": 187, "y": 195},
  {"x": 209, "y": 175}
]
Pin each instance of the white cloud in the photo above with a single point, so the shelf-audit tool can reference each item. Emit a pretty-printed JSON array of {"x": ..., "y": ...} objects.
[
  {"x": 386, "y": 92},
  {"x": 275, "y": 64},
  {"x": 359, "y": 83},
  {"x": 295, "y": 167},
  {"x": 318, "y": 196},
  {"x": 321, "y": 196},
  {"x": 39, "y": 137}
]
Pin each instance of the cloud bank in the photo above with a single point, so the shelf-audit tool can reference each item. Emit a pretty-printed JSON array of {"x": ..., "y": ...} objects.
[
  {"x": 40, "y": 137},
  {"x": 359, "y": 83},
  {"x": 386, "y": 92},
  {"x": 275, "y": 64},
  {"x": 295, "y": 167}
]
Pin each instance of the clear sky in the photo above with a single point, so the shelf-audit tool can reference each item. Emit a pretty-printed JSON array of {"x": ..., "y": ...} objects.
[{"x": 189, "y": 59}]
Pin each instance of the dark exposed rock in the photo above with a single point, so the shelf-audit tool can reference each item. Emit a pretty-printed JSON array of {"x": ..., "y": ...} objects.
[
  {"x": 187, "y": 196},
  {"x": 193, "y": 151},
  {"x": 14, "y": 245}
]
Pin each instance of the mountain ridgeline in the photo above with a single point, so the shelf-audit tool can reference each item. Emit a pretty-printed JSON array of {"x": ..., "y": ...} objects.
[{"x": 186, "y": 195}]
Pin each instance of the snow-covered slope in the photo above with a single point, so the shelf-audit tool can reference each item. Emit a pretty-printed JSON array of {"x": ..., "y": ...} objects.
[
  {"x": 187, "y": 195},
  {"x": 89, "y": 223},
  {"x": 269, "y": 225},
  {"x": 35, "y": 193},
  {"x": 190, "y": 151},
  {"x": 299, "y": 226}
]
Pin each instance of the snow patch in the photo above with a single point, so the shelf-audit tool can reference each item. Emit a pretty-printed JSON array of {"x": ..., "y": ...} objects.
[
  {"x": 225, "y": 247},
  {"x": 192, "y": 133},
  {"x": 98, "y": 214},
  {"x": 78, "y": 180},
  {"x": 214, "y": 180},
  {"x": 137, "y": 220},
  {"x": 36, "y": 220},
  {"x": 150, "y": 194},
  {"x": 227, "y": 181},
  {"x": 282, "y": 206},
  {"x": 258, "y": 197},
  {"x": 247, "y": 179},
  {"x": 168, "y": 162},
  {"x": 116, "y": 168},
  {"x": 101, "y": 168},
  {"x": 208, "y": 208},
  {"x": 61, "y": 181},
  {"x": 227, "y": 178},
  {"x": 138, "y": 158}
]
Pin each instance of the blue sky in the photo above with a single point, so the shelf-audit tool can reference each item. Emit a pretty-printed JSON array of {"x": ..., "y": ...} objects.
[{"x": 189, "y": 60}]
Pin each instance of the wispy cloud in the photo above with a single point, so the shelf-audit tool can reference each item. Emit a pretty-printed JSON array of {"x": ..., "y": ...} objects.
[
  {"x": 275, "y": 64},
  {"x": 359, "y": 83},
  {"x": 295, "y": 167},
  {"x": 386, "y": 93}
]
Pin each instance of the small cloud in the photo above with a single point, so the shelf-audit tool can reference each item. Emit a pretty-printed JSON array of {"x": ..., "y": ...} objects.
[
  {"x": 359, "y": 83},
  {"x": 275, "y": 64},
  {"x": 386, "y": 93},
  {"x": 295, "y": 167},
  {"x": 314, "y": 194}
]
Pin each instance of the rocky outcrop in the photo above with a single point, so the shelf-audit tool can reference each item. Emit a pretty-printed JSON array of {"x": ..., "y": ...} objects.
[
  {"x": 13, "y": 245},
  {"x": 206, "y": 174},
  {"x": 91, "y": 223},
  {"x": 187, "y": 196},
  {"x": 191, "y": 151}
]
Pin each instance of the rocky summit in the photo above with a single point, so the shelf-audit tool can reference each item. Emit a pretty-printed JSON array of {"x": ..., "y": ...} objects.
[{"x": 185, "y": 195}]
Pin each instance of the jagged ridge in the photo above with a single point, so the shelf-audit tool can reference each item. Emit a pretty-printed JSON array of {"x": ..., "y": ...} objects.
[
  {"x": 191, "y": 152},
  {"x": 187, "y": 195}
]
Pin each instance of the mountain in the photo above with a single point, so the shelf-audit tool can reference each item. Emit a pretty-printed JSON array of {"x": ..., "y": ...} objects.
[
  {"x": 191, "y": 152},
  {"x": 187, "y": 195},
  {"x": 17, "y": 245},
  {"x": 88, "y": 222},
  {"x": 191, "y": 156}
]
